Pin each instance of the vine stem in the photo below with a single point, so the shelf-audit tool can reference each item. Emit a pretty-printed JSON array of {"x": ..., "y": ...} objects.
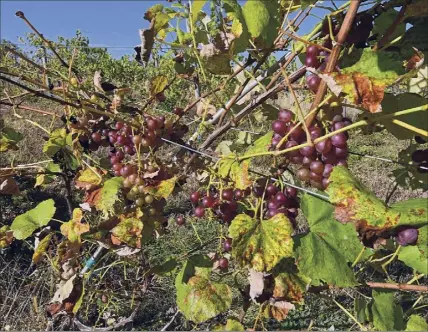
[
  {"x": 331, "y": 64},
  {"x": 406, "y": 287}
]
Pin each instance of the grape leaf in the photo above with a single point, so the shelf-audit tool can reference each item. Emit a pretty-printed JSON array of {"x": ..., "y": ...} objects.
[
  {"x": 9, "y": 138},
  {"x": 239, "y": 25},
  {"x": 74, "y": 228},
  {"x": 89, "y": 179},
  {"x": 394, "y": 103},
  {"x": 231, "y": 325},
  {"x": 290, "y": 286},
  {"x": 158, "y": 84},
  {"x": 108, "y": 196},
  {"x": 323, "y": 254},
  {"x": 198, "y": 298},
  {"x": 25, "y": 224},
  {"x": 416, "y": 323},
  {"x": 129, "y": 231},
  {"x": 196, "y": 8},
  {"x": 422, "y": 241},
  {"x": 261, "y": 244},
  {"x": 413, "y": 257},
  {"x": 384, "y": 21},
  {"x": 262, "y": 21},
  {"x": 356, "y": 204},
  {"x": 410, "y": 176},
  {"x": 41, "y": 249},
  {"x": 42, "y": 179},
  {"x": 387, "y": 316},
  {"x": 57, "y": 140},
  {"x": 365, "y": 81},
  {"x": 278, "y": 310},
  {"x": 163, "y": 189},
  {"x": 362, "y": 311},
  {"x": 215, "y": 61},
  {"x": 6, "y": 237}
]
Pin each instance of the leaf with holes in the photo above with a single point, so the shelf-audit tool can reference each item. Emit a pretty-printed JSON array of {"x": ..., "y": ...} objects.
[
  {"x": 356, "y": 204},
  {"x": 199, "y": 298},
  {"x": 163, "y": 189},
  {"x": 108, "y": 197},
  {"x": 129, "y": 231},
  {"x": 394, "y": 103},
  {"x": 9, "y": 138},
  {"x": 365, "y": 81},
  {"x": 25, "y": 224},
  {"x": 158, "y": 84},
  {"x": 261, "y": 244},
  {"x": 325, "y": 252},
  {"x": 74, "y": 228},
  {"x": 387, "y": 316},
  {"x": 278, "y": 310},
  {"x": 6, "y": 237}
]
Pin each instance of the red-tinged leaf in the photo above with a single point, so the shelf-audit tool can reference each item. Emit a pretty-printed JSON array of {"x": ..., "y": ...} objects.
[
  {"x": 89, "y": 180},
  {"x": 74, "y": 228},
  {"x": 129, "y": 231},
  {"x": 163, "y": 189}
]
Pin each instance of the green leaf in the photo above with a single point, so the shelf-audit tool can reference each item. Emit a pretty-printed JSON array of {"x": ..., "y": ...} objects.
[
  {"x": 365, "y": 81},
  {"x": 416, "y": 323},
  {"x": 356, "y": 204},
  {"x": 387, "y": 316},
  {"x": 109, "y": 196},
  {"x": 384, "y": 21},
  {"x": 262, "y": 18},
  {"x": 239, "y": 26},
  {"x": 9, "y": 138},
  {"x": 163, "y": 189},
  {"x": 394, "y": 103},
  {"x": 57, "y": 140},
  {"x": 262, "y": 144},
  {"x": 410, "y": 177},
  {"x": 325, "y": 252},
  {"x": 223, "y": 148},
  {"x": 25, "y": 224},
  {"x": 413, "y": 257},
  {"x": 261, "y": 244},
  {"x": 196, "y": 8},
  {"x": 198, "y": 298},
  {"x": 422, "y": 242},
  {"x": 158, "y": 84},
  {"x": 231, "y": 325},
  {"x": 216, "y": 64},
  {"x": 361, "y": 309},
  {"x": 244, "y": 138},
  {"x": 164, "y": 268},
  {"x": 129, "y": 231},
  {"x": 42, "y": 179}
]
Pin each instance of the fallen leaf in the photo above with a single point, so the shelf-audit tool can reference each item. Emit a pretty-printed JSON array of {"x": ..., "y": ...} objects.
[{"x": 8, "y": 186}]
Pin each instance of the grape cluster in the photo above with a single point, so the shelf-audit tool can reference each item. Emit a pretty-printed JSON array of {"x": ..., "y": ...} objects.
[
  {"x": 315, "y": 58},
  {"x": 317, "y": 161},
  {"x": 360, "y": 31}
]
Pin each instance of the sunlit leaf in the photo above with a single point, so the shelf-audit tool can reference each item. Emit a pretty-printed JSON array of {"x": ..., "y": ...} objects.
[
  {"x": 416, "y": 323},
  {"x": 74, "y": 228},
  {"x": 25, "y": 224},
  {"x": 158, "y": 84},
  {"x": 9, "y": 138},
  {"x": 278, "y": 310},
  {"x": 196, "y": 8},
  {"x": 42, "y": 179},
  {"x": 290, "y": 286},
  {"x": 57, "y": 140},
  {"x": 129, "y": 231},
  {"x": 89, "y": 179},
  {"x": 41, "y": 249},
  {"x": 387, "y": 316},
  {"x": 198, "y": 298},
  {"x": 108, "y": 196},
  {"x": 261, "y": 244},
  {"x": 6, "y": 236},
  {"x": 163, "y": 189},
  {"x": 413, "y": 257}
]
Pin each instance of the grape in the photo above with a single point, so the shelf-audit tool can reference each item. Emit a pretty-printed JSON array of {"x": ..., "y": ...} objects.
[
  {"x": 281, "y": 198},
  {"x": 114, "y": 160},
  {"x": 119, "y": 154},
  {"x": 227, "y": 244},
  {"x": 258, "y": 191},
  {"x": 227, "y": 194},
  {"x": 160, "y": 121},
  {"x": 292, "y": 212},
  {"x": 342, "y": 162},
  {"x": 325, "y": 183},
  {"x": 208, "y": 201},
  {"x": 285, "y": 116},
  {"x": 96, "y": 137},
  {"x": 271, "y": 190},
  {"x": 105, "y": 132},
  {"x": 313, "y": 82},
  {"x": 292, "y": 192},
  {"x": 199, "y": 212},
  {"x": 298, "y": 134},
  {"x": 315, "y": 177},
  {"x": 306, "y": 161},
  {"x": 271, "y": 213},
  {"x": 178, "y": 111},
  {"x": 303, "y": 174},
  {"x": 339, "y": 140},
  {"x": 180, "y": 220},
  {"x": 132, "y": 178},
  {"x": 419, "y": 156},
  {"x": 316, "y": 184},
  {"x": 239, "y": 194},
  {"x": 324, "y": 146},
  {"x": 420, "y": 140},
  {"x": 127, "y": 130},
  {"x": 297, "y": 159},
  {"x": 151, "y": 124},
  {"x": 127, "y": 183},
  {"x": 117, "y": 166},
  {"x": 279, "y": 127},
  {"x": 273, "y": 205},
  {"x": 233, "y": 206},
  {"x": 141, "y": 189},
  {"x": 137, "y": 139},
  {"x": 338, "y": 125},
  {"x": 139, "y": 202},
  {"x": 126, "y": 170},
  {"x": 315, "y": 132},
  {"x": 347, "y": 121},
  {"x": 307, "y": 151},
  {"x": 119, "y": 125},
  {"x": 223, "y": 263},
  {"x": 312, "y": 61},
  {"x": 128, "y": 149},
  {"x": 313, "y": 50},
  {"x": 407, "y": 236},
  {"x": 328, "y": 168},
  {"x": 341, "y": 152},
  {"x": 317, "y": 167},
  {"x": 292, "y": 153},
  {"x": 112, "y": 138},
  {"x": 121, "y": 140},
  {"x": 329, "y": 158}
]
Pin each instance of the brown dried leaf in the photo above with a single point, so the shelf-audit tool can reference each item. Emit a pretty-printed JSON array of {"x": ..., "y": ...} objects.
[{"x": 8, "y": 186}]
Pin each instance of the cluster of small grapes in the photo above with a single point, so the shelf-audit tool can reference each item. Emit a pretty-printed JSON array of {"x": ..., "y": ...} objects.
[
  {"x": 278, "y": 201},
  {"x": 224, "y": 206},
  {"x": 315, "y": 58},
  {"x": 317, "y": 161},
  {"x": 420, "y": 157}
]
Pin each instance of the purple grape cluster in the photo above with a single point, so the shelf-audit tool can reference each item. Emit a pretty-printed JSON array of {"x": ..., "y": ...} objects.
[
  {"x": 420, "y": 157},
  {"x": 317, "y": 161},
  {"x": 318, "y": 59}
]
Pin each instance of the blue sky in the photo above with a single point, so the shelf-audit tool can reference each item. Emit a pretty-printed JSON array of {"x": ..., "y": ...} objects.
[{"x": 106, "y": 23}]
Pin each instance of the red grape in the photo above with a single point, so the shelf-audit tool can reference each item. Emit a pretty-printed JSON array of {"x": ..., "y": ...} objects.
[
  {"x": 281, "y": 198},
  {"x": 317, "y": 167},
  {"x": 313, "y": 82},
  {"x": 329, "y": 158},
  {"x": 151, "y": 124},
  {"x": 227, "y": 194},
  {"x": 306, "y": 161},
  {"x": 324, "y": 146},
  {"x": 312, "y": 61},
  {"x": 315, "y": 177},
  {"x": 341, "y": 152},
  {"x": 137, "y": 139},
  {"x": 407, "y": 236},
  {"x": 96, "y": 137},
  {"x": 117, "y": 167},
  {"x": 178, "y": 111},
  {"x": 339, "y": 140},
  {"x": 419, "y": 156},
  {"x": 279, "y": 127},
  {"x": 342, "y": 162},
  {"x": 315, "y": 132},
  {"x": 227, "y": 244},
  {"x": 208, "y": 201},
  {"x": 312, "y": 50},
  {"x": 292, "y": 153},
  {"x": 119, "y": 125},
  {"x": 271, "y": 190},
  {"x": 420, "y": 140},
  {"x": 199, "y": 212},
  {"x": 328, "y": 168},
  {"x": 292, "y": 192},
  {"x": 223, "y": 263},
  {"x": 303, "y": 174},
  {"x": 285, "y": 116},
  {"x": 325, "y": 183},
  {"x": 180, "y": 220},
  {"x": 307, "y": 151}
]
